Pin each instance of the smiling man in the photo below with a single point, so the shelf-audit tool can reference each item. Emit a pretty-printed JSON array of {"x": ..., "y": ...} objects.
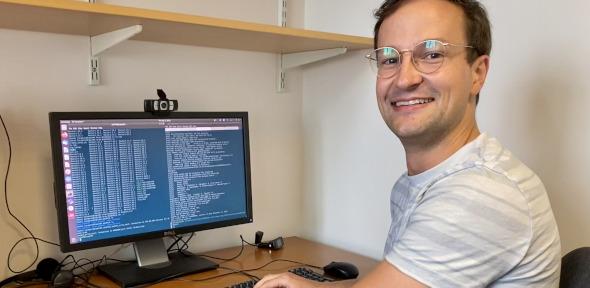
[{"x": 467, "y": 213}]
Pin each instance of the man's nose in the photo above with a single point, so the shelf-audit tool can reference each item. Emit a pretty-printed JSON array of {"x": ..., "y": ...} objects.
[{"x": 408, "y": 76}]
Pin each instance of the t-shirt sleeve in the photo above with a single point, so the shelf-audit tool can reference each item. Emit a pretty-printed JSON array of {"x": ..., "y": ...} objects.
[{"x": 466, "y": 231}]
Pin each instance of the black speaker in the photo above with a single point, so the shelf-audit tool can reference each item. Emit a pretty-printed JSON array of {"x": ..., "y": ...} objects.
[{"x": 47, "y": 269}]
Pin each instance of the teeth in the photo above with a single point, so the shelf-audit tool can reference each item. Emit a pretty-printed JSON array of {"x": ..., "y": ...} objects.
[{"x": 412, "y": 102}]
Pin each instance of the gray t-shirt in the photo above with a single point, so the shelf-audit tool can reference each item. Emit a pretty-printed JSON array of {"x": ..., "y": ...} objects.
[{"x": 481, "y": 218}]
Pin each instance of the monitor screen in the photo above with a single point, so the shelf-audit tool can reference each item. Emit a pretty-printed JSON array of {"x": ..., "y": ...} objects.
[{"x": 128, "y": 176}]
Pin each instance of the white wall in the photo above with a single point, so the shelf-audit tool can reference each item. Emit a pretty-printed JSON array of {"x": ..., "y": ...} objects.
[
  {"x": 47, "y": 72},
  {"x": 351, "y": 158},
  {"x": 535, "y": 101}
]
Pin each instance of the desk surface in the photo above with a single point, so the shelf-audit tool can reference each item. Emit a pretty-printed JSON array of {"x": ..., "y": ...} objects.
[{"x": 296, "y": 249}]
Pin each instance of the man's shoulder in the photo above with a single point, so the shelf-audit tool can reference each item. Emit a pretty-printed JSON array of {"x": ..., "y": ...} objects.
[
  {"x": 481, "y": 188},
  {"x": 489, "y": 160}
]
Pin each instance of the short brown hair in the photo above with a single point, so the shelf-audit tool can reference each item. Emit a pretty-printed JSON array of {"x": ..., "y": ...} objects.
[{"x": 477, "y": 24}]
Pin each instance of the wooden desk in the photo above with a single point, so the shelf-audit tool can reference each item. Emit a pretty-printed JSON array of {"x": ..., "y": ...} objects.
[{"x": 296, "y": 249}]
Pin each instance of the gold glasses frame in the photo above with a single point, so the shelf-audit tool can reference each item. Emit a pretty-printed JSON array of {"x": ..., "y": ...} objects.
[{"x": 433, "y": 64}]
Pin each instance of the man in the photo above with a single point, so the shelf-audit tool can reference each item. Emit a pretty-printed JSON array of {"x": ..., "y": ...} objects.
[{"x": 467, "y": 213}]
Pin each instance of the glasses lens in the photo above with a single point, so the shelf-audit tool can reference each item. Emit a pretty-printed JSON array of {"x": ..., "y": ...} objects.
[
  {"x": 428, "y": 56},
  {"x": 386, "y": 61}
]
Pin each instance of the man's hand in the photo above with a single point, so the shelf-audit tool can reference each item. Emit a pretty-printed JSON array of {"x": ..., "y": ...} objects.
[{"x": 289, "y": 280}]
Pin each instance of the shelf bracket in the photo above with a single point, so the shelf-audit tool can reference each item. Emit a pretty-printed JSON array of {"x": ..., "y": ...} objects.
[
  {"x": 293, "y": 60},
  {"x": 102, "y": 42},
  {"x": 282, "y": 13}
]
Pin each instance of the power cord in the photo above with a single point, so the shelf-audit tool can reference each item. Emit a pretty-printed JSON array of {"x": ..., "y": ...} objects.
[
  {"x": 82, "y": 273},
  {"x": 178, "y": 239},
  {"x": 185, "y": 245},
  {"x": 228, "y": 259},
  {"x": 35, "y": 239}
]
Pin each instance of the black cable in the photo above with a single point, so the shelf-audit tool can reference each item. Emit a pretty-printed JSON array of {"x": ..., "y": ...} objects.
[
  {"x": 35, "y": 239},
  {"x": 92, "y": 262},
  {"x": 36, "y": 256},
  {"x": 85, "y": 276},
  {"x": 232, "y": 258},
  {"x": 62, "y": 262},
  {"x": 247, "y": 242},
  {"x": 77, "y": 266},
  {"x": 8, "y": 206},
  {"x": 184, "y": 246},
  {"x": 177, "y": 238},
  {"x": 87, "y": 273}
]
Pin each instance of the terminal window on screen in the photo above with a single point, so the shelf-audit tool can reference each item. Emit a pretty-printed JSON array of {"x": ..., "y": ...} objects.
[{"x": 133, "y": 176}]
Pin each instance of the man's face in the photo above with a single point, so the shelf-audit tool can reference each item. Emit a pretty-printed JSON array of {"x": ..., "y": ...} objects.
[{"x": 450, "y": 91}]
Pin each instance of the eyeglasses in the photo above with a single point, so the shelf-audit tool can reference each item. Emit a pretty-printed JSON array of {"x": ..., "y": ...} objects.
[{"x": 428, "y": 56}]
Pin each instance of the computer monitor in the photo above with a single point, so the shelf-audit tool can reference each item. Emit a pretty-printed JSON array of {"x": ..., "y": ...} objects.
[{"x": 125, "y": 177}]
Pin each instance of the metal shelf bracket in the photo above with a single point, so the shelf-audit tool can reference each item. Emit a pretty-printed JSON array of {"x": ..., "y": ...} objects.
[
  {"x": 102, "y": 42},
  {"x": 293, "y": 60}
]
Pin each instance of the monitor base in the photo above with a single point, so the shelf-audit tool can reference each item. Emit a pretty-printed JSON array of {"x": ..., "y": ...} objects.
[{"x": 128, "y": 274}]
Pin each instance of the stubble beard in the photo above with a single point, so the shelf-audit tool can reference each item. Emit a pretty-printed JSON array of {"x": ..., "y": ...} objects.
[{"x": 427, "y": 133}]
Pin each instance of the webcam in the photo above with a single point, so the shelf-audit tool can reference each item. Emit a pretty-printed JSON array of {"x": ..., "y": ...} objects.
[
  {"x": 274, "y": 244},
  {"x": 162, "y": 105}
]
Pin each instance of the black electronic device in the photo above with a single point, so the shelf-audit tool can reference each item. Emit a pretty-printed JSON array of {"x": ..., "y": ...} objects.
[
  {"x": 274, "y": 244},
  {"x": 310, "y": 274},
  {"x": 161, "y": 106},
  {"x": 138, "y": 177},
  {"x": 48, "y": 270},
  {"x": 258, "y": 237},
  {"x": 62, "y": 279},
  {"x": 341, "y": 270}
]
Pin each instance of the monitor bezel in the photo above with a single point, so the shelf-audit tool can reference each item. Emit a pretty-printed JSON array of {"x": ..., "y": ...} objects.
[{"x": 59, "y": 177}]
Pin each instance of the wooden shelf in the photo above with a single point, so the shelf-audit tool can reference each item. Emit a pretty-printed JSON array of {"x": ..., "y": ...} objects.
[{"x": 81, "y": 18}]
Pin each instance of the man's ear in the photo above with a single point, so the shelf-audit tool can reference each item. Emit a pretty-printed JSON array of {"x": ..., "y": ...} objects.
[{"x": 479, "y": 71}]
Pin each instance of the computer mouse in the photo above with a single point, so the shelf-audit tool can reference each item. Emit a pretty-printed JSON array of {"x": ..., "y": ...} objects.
[{"x": 341, "y": 270}]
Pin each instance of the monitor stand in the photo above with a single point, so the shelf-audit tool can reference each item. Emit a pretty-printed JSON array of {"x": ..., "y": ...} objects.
[{"x": 154, "y": 265}]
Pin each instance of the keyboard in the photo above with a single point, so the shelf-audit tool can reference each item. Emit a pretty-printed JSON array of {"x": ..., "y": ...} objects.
[
  {"x": 300, "y": 271},
  {"x": 245, "y": 284},
  {"x": 310, "y": 274}
]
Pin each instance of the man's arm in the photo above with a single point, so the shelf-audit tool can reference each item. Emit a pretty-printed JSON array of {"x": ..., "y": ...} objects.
[
  {"x": 387, "y": 275},
  {"x": 384, "y": 275}
]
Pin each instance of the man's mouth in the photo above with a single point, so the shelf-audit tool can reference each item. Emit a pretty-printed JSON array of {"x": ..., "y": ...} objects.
[{"x": 412, "y": 102}]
